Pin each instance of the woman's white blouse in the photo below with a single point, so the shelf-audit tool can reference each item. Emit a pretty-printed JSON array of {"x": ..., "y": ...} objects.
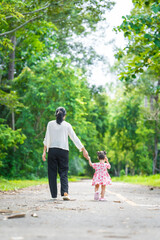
[{"x": 57, "y": 136}]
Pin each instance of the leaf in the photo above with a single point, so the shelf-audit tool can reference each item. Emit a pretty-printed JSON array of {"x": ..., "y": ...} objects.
[
  {"x": 126, "y": 34},
  {"x": 141, "y": 70},
  {"x": 157, "y": 42},
  {"x": 148, "y": 36},
  {"x": 133, "y": 76},
  {"x": 155, "y": 8}
]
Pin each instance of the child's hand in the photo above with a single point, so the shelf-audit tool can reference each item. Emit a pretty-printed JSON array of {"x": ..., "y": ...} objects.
[
  {"x": 106, "y": 159},
  {"x": 109, "y": 166}
]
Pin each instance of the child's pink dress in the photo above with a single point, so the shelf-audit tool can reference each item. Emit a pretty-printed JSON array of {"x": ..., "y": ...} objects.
[{"x": 101, "y": 176}]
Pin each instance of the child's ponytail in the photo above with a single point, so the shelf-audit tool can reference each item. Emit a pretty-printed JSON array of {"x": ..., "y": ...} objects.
[{"x": 101, "y": 155}]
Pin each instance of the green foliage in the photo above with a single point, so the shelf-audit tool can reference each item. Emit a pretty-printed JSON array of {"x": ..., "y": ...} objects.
[
  {"x": 10, "y": 100},
  {"x": 139, "y": 68},
  {"x": 41, "y": 90},
  {"x": 129, "y": 135},
  {"x": 77, "y": 166},
  {"x": 122, "y": 172},
  {"x": 9, "y": 139},
  {"x": 43, "y": 30},
  {"x": 66, "y": 17},
  {"x": 142, "y": 29},
  {"x": 47, "y": 76}
]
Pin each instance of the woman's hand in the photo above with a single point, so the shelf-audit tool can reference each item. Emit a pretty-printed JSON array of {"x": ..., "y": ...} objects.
[{"x": 44, "y": 156}]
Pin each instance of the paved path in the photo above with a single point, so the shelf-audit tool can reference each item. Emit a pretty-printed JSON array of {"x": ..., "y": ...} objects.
[{"x": 130, "y": 212}]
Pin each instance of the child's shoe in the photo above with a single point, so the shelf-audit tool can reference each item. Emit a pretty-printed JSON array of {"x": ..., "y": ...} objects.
[
  {"x": 96, "y": 196},
  {"x": 102, "y": 199}
]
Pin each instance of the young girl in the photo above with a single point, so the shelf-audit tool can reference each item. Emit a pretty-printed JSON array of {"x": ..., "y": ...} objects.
[{"x": 101, "y": 176}]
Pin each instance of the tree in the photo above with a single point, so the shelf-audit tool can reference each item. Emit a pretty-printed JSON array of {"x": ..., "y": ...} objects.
[
  {"x": 41, "y": 96},
  {"x": 129, "y": 136},
  {"x": 142, "y": 30},
  {"x": 140, "y": 60}
]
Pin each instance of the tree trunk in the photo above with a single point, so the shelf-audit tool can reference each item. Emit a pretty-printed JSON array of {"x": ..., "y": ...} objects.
[
  {"x": 126, "y": 169},
  {"x": 145, "y": 102},
  {"x": 151, "y": 102},
  {"x": 13, "y": 120},
  {"x": 12, "y": 59},
  {"x": 11, "y": 71},
  {"x": 119, "y": 169},
  {"x": 155, "y": 154},
  {"x": 156, "y": 133}
]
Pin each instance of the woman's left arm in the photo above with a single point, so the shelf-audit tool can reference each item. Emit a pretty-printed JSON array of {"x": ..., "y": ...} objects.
[{"x": 44, "y": 153}]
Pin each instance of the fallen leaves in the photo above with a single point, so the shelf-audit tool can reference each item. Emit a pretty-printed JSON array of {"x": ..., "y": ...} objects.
[
  {"x": 74, "y": 209},
  {"x": 18, "y": 215},
  {"x": 117, "y": 201}
]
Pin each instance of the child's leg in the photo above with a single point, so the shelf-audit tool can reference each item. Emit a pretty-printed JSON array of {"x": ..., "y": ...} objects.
[
  {"x": 96, "y": 187},
  {"x": 103, "y": 187},
  {"x": 96, "y": 195}
]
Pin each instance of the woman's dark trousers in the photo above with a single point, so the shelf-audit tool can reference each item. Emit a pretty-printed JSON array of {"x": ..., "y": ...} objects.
[{"x": 58, "y": 162}]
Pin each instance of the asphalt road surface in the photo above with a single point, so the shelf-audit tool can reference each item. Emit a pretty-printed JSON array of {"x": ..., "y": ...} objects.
[{"x": 130, "y": 212}]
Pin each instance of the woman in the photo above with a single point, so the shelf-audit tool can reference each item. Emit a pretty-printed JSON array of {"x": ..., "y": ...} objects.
[{"x": 56, "y": 144}]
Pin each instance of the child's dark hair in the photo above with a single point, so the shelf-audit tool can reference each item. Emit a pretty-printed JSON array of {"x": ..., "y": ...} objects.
[
  {"x": 60, "y": 113},
  {"x": 101, "y": 155}
]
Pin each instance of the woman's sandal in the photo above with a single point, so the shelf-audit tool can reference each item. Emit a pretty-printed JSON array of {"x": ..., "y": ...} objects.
[{"x": 66, "y": 197}]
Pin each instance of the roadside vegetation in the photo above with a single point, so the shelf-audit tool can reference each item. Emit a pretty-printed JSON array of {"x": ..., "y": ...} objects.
[
  {"x": 6, "y": 185},
  {"x": 43, "y": 65},
  {"x": 153, "y": 180}
]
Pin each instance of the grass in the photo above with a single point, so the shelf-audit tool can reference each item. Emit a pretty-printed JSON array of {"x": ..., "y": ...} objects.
[
  {"x": 6, "y": 185},
  {"x": 153, "y": 180}
]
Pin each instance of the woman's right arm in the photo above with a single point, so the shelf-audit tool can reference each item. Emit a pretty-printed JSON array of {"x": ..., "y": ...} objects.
[
  {"x": 77, "y": 142},
  {"x": 85, "y": 153}
]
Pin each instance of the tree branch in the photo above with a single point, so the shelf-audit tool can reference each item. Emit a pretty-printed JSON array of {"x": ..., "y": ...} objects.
[
  {"x": 15, "y": 29},
  {"x": 38, "y": 10}
]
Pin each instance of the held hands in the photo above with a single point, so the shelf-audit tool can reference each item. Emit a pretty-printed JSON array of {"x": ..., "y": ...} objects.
[{"x": 85, "y": 153}]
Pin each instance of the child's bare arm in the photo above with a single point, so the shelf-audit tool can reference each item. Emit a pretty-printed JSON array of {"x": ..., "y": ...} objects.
[
  {"x": 90, "y": 163},
  {"x": 106, "y": 159}
]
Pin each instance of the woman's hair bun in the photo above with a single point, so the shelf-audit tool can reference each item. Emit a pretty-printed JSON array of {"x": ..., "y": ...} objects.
[{"x": 60, "y": 113}]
